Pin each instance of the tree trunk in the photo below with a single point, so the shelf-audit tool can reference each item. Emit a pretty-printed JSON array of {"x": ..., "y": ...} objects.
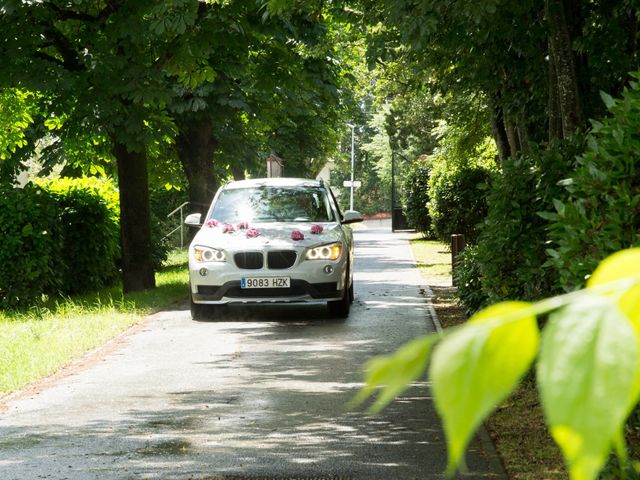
[
  {"x": 555, "y": 117},
  {"x": 498, "y": 132},
  {"x": 196, "y": 146},
  {"x": 562, "y": 57},
  {"x": 632, "y": 28},
  {"x": 512, "y": 136},
  {"x": 237, "y": 170},
  {"x": 135, "y": 220},
  {"x": 523, "y": 136}
]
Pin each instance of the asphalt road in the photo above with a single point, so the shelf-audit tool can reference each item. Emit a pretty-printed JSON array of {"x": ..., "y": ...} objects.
[{"x": 258, "y": 394}]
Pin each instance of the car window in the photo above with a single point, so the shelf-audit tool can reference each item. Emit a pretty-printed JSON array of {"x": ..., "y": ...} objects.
[{"x": 273, "y": 204}]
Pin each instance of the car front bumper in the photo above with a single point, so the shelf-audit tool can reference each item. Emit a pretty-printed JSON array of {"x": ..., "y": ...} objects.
[
  {"x": 310, "y": 281},
  {"x": 299, "y": 291}
]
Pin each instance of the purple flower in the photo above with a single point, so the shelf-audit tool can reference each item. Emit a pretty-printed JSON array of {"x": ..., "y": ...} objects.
[
  {"x": 212, "y": 223},
  {"x": 228, "y": 228},
  {"x": 242, "y": 225},
  {"x": 316, "y": 229},
  {"x": 253, "y": 233},
  {"x": 297, "y": 235}
]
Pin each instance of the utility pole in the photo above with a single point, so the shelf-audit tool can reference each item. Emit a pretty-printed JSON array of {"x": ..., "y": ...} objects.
[{"x": 352, "y": 127}]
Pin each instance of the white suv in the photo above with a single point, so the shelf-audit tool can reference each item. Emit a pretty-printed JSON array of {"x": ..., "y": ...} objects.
[{"x": 272, "y": 240}]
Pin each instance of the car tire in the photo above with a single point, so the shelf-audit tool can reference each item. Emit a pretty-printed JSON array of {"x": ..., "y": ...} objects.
[
  {"x": 340, "y": 308},
  {"x": 198, "y": 310}
]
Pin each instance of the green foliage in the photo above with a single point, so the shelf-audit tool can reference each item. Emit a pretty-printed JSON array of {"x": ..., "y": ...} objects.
[
  {"x": 601, "y": 214},
  {"x": 378, "y": 148},
  {"x": 588, "y": 368},
  {"x": 468, "y": 280},
  {"x": 15, "y": 117},
  {"x": 464, "y": 370},
  {"x": 57, "y": 237},
  {"x": 415, "y": 195},
  {"x": 513, "y": 238},
  {"x": 374, "y": 196},
  {"x": 162, "y": 202},
  {"x": 89, "y": 229},
  {"x": 396, "y": 372},
  {"x": 38, "y": 341},
  {"x": 30, "y": 245},
  {"x": 461, "y": 168},
  {"x": 587, "y": 373},
  {"x": 457, "y": 197}
]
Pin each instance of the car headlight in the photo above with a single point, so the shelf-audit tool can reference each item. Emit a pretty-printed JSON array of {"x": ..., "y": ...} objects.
[
  {"x": 331, "y": 251},
  {"x": 207, "y": 254}
]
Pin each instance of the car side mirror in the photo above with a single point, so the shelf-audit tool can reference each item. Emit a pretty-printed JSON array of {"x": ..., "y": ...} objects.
[
  {"x": 351, "y": 216},
  {"x": 193, "y": 220}
]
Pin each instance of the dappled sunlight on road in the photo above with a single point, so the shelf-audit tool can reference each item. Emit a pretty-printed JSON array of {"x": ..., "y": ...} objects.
[{"x": 256, "y": 392}]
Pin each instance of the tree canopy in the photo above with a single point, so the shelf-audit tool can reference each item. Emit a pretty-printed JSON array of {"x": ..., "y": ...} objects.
[{"x": 131, "y": 81}]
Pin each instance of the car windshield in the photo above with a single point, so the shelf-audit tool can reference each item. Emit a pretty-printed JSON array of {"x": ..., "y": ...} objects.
[{"x": 273, "y": 204}]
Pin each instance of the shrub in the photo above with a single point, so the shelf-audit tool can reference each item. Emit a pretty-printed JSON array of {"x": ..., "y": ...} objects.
[
  {"x": 469, "y": 283},
  {"x": 457, "y": 202},
  {"x": 30, "y": 245},
  {"x": 88, "y": 217},
  {"x": 512, "y": 242},
  {"x": 602, "y": 213},
  {"x": 415, "y": 195}
]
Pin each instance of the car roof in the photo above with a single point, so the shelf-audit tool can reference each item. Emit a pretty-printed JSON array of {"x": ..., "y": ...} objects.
[{"x": 273, "y": 182}]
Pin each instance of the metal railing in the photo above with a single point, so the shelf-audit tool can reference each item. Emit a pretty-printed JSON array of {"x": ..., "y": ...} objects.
[{"x": 179, "y": 227}]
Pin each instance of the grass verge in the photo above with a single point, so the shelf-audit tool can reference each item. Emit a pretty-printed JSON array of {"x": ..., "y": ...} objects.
[
  {"x": 38, "y": 342},
  {"x": 517, "y": 426},
  {"x": 433, "y": 259}
]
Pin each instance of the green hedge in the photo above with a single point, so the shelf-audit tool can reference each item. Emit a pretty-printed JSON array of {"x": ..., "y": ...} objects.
[
  {"x": 88, "y": 216},
  {"x": 468, "y": 280},
  {"x": 602, "y": 213},
  {"x": 415, "y": 195},
  {"x": 30, "y": 245},
  {"x": 457, "y": 201},
  {"x": 513, "y": 240},
  {"x": 57, "y": 237}
]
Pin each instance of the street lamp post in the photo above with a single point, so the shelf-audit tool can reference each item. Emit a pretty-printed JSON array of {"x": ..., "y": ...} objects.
[{"x": 352, "y": 127}]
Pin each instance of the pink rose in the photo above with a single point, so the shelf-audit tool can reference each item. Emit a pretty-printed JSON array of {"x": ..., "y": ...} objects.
[
  {"x": 212, "y": 223},
  {"x": 253, "y": 233},
  {"x": 297, "y": 235},
  {"x": 228, "y": 228},
  {"x": 316, "y": 229},
  {"x": 242, "y": 226}
]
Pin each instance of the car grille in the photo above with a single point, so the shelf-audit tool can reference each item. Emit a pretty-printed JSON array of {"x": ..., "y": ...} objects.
[
  {"x": 249, "y": 260},
  {"x": 281, "y": 259}
]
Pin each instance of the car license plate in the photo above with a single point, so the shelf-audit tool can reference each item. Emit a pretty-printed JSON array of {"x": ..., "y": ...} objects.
[{"x": 266, "y": 282}]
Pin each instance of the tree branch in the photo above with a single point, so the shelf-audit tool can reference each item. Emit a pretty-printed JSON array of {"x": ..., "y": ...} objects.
[
  {"x": 64, "y": 14},
  {"x": 50, "y": 58},
  {"x": 62, "y": 44}
]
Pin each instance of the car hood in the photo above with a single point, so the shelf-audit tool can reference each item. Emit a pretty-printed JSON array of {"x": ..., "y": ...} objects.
[{"x": 271, "y": 235}]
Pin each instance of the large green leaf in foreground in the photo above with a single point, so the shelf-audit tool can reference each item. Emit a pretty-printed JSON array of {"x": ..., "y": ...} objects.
[
  {"x": 587, "y": 374},
  {"x": 395, "y": 373},
  {"x": 476, "y": 367}
]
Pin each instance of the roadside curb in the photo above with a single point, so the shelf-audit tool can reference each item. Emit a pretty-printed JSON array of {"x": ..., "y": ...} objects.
[{"x": 488, "y": 447}]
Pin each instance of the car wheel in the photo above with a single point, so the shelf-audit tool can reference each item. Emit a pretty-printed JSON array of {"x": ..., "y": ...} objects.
[
  {"x": 340, "y": 308},
  {"x": 198, "y": 310}
]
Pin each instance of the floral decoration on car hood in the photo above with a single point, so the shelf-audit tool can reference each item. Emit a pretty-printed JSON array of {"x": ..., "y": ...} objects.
[{"x": 232, "y": 238}]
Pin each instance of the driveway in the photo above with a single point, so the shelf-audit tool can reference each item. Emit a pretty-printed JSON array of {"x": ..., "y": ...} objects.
[{"x": 257, "y": 394}]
